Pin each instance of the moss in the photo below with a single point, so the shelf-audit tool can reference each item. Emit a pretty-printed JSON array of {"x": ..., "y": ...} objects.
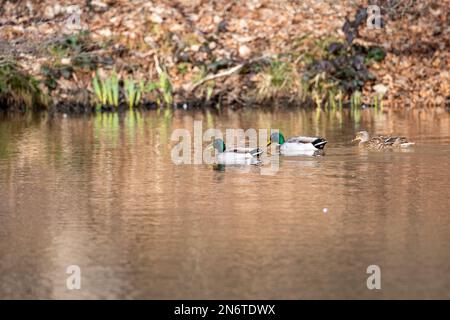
[
  {"x": 19, "y": 90},
  {"x": 183, "y": 68}
]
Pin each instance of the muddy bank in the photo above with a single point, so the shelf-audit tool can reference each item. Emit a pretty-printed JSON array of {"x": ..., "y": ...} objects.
[{"x": 84, "y": 56}]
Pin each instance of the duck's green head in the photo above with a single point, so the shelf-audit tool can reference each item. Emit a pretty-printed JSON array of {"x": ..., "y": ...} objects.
[
  {"x": 218, "y": 144},
  {"x": 276, "y": 137}
]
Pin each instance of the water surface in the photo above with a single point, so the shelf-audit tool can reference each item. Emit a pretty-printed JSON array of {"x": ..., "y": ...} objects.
[{"x": 102, "y": 193}]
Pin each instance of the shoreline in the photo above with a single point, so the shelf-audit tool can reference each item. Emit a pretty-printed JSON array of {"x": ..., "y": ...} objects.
[
  {"x": 219, "y": 56},
  {"x": 6, "y": 115}
]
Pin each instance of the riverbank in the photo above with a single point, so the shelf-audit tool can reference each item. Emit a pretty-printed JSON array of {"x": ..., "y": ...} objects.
[{"x": 91, "y": 55}]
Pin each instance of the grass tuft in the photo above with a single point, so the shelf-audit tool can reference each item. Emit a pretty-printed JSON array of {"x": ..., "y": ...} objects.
[
  {"x": 19, "y": 89},
  {"x": 106, "y": 90}
]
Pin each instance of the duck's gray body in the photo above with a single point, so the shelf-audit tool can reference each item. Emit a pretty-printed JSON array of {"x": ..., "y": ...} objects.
[
  {"x": 235, "y": 156},
  {"x": 239, "y": 156},
  {"x": 301, "y": 144}
]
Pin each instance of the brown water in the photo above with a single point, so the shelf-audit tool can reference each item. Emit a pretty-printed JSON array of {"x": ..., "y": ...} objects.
[{"x": 102, "y": 193}]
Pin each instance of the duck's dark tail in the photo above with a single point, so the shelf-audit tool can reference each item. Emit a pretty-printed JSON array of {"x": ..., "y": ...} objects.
[
  {"x": 319, "y": 143},
  {"x": 256, "y": 152}
]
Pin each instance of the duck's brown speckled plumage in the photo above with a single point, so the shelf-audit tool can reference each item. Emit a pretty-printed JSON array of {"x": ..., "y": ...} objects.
[{"x": 381, "y": 142}]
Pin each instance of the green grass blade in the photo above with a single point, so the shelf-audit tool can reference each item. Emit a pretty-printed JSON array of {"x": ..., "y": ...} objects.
[
  {"x": 97, "y": 88},
  {"x": 115, "y": 88},
  {"x": 109, "y": 92}
]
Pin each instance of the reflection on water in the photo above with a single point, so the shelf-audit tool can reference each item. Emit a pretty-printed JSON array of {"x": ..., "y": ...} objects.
[{"x": 102, "y": 193}]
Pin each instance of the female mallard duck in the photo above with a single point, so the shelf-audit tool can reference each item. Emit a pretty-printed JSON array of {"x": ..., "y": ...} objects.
[
  {"x": 296, "y": 145},
  {"x": 381, "y": 142},
  {"x": 235, "y": 155}
]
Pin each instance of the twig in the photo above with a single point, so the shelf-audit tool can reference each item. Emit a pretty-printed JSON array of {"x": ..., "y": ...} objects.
[
  {"x": 157, "y": 65},
  {"x": 218, "y": 75},
  {"x": 225, "y": 73}
]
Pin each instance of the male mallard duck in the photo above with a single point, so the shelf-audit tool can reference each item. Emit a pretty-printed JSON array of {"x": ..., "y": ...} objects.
[
  {"x": 235, "y": 155},
  {"x": 381, "y": 142},
  {"x": 296, "y": 145}
]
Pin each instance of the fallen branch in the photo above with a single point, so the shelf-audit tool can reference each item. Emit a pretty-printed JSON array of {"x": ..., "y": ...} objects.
[
  {"x": 226, "y": 73},
  {"x": 218, "y": 75}
]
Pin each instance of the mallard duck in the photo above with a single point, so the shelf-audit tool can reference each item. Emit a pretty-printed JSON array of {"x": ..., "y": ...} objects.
[
  {"x": 381, "y": 142},
  {"x": 296, "y": 145},
  {"x": 235, "y": 155}
]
